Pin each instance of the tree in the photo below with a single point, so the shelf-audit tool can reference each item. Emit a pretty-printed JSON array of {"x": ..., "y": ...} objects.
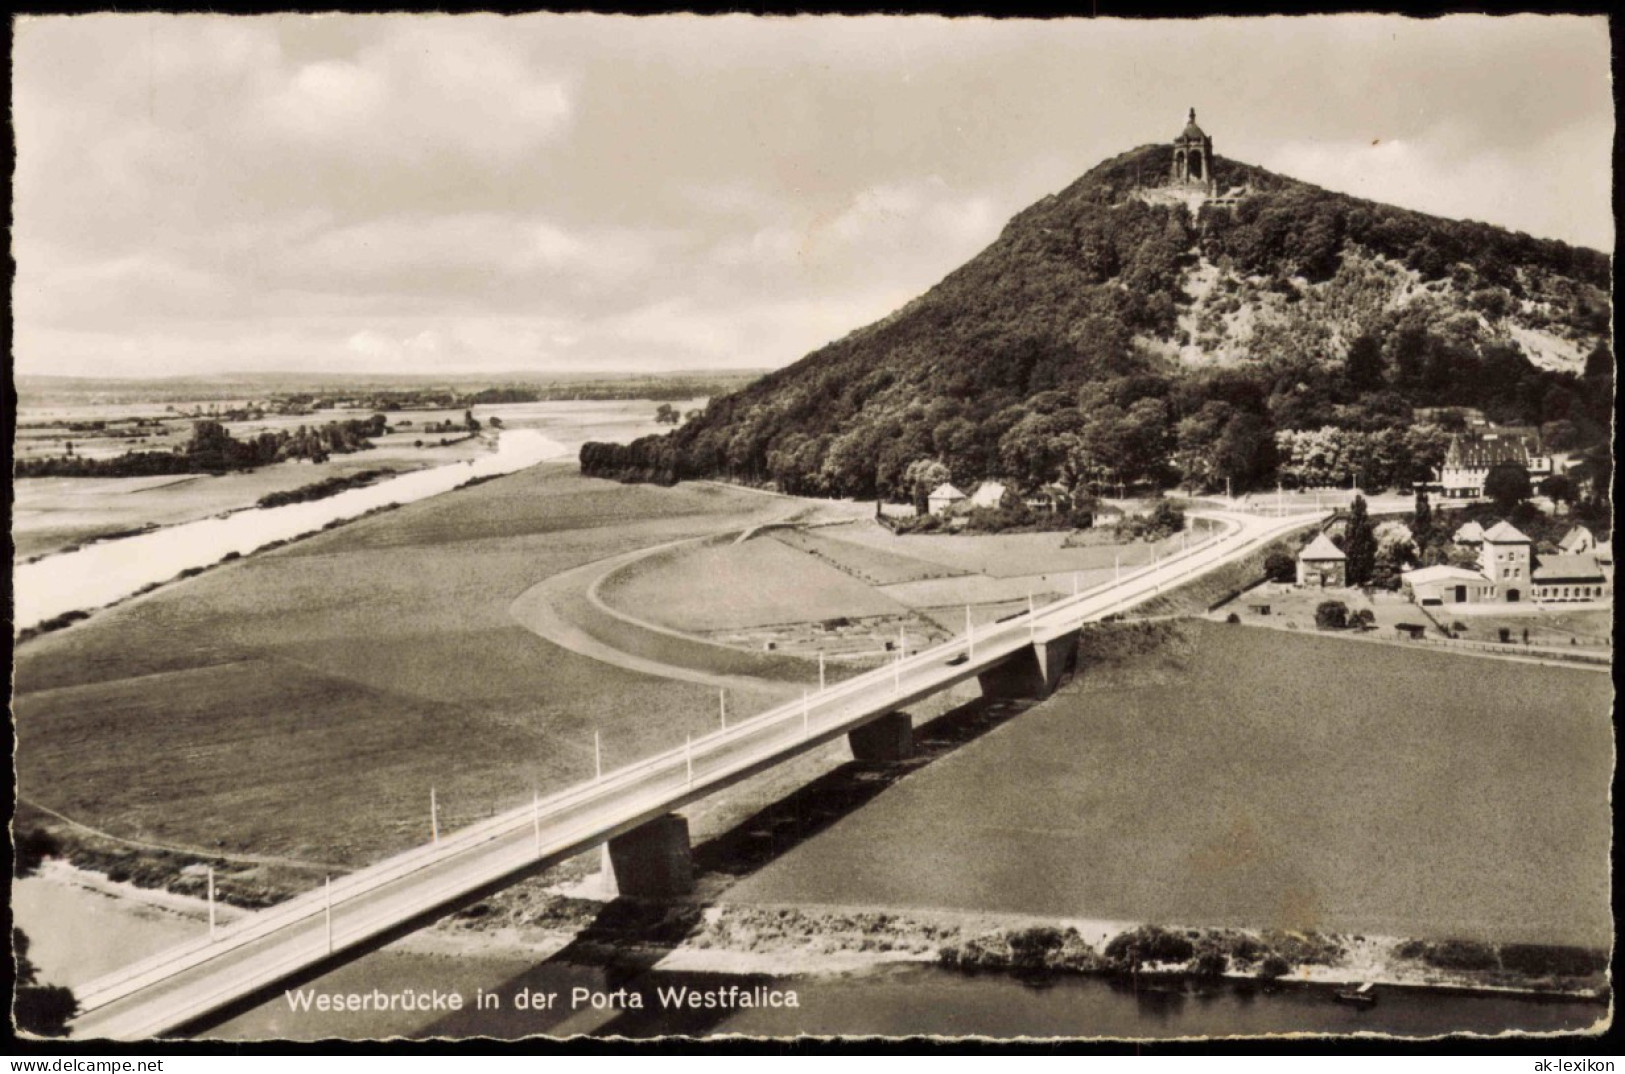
[
  {"x": 1421, "y": 524},
  {"x": 1359, "y": 544},
  {"x": 666, "y": 414},
  {"x": 43, "y": 1010},
  {"x": 1559, "y": 488},
  {"x": 921, "y": 478},
  {"x": 1280, "y": 566},
  {"x": 1507, "y": 485},
  {"x": 33, "y": 847},
  {"x": 470, "y": 422},
  {"x": 1363, "y": 366}
]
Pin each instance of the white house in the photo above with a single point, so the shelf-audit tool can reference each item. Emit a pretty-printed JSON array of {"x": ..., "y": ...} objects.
[
  {"x": 1577, "y": 540},
  {"x": 942, "y": 497},
  {"x": 1322, "y": 563},
  {"x": 1469, "y": 533},
  {"x": 989, "y": 494}
]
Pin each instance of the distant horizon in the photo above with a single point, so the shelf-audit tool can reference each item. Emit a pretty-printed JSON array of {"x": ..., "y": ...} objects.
[{"x": 194, "y": 193}]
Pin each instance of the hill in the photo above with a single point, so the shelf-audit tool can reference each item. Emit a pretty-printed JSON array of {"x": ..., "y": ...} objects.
[{"x": 1127, "y": 332}]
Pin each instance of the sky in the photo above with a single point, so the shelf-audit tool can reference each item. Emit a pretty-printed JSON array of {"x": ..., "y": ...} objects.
[{"x": 577, "y": 193}]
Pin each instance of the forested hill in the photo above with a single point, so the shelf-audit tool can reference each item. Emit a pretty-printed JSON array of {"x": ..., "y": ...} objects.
[{"x": 1123, "y": 333}]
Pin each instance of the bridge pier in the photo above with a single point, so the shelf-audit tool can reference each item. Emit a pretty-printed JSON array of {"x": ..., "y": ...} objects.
[
  {"x": 652, "y": 861},
  {"x": 889, "y": 738},
  {"x": 1035, "y": 671}
]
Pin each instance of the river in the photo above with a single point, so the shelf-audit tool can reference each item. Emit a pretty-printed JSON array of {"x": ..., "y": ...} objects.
[
  {"x": 893, "y": 1000},
  {"x": 101, "y": 573}
]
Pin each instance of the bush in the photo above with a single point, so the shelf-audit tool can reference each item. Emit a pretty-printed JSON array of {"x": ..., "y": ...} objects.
[
  {"x": 1365, "y": 619},
  {"x": 1280, "y": 566},
  {"x": 1544, "y": 960},
  {"x": 1331, "y": 615},
  {"x": 1232, "y": 618},
  {"x": 1148, "y": 943},
  {"x": 1273, "y": 967},
  {"x": 1211, "y": 965},
  {"x": 1460, "y": 955}
]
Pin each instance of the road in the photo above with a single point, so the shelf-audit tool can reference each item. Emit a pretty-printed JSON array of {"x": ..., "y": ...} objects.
[{"x": 167, "y": 991}]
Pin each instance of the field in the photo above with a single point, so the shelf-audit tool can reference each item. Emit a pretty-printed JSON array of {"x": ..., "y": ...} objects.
[
  {"x": 997, "y": 556},
  {"x": 302, "y": 702},
  {"x": 757, "y": 583},
  {"x": 53, "y": 514},
  {"x": 1249, "y": 778},
  {"x": 866, "y": 562}
]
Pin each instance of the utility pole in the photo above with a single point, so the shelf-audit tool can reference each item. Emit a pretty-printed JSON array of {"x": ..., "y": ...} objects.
[
  {"x": 806, "y": 723},
  {"x": 970, "y": 635},
  {"x": 329, "y": 915},
  {"x": 820, "y": 671},
  {"x": 722, "y": 697},
  {"x": 597, "y": 757},
  {"x": 434, "y": 818},
  {"x": 211, "y": 902}
]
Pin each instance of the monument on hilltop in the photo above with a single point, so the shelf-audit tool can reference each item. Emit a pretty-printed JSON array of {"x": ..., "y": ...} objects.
[{"x": 1193, "y": 159}]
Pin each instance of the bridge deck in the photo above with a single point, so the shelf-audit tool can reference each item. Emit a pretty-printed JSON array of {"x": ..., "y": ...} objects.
[{"x": 179, "y": 986}]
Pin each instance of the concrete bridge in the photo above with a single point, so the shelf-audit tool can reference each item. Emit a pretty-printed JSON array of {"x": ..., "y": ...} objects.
[{"x": 630, "y": 812}]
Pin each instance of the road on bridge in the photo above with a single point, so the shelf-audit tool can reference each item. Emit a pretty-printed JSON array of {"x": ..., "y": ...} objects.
[{"x": 179, "y": 986}]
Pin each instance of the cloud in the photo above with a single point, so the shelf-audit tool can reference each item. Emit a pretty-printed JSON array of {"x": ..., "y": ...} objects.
[{"x": 207, "y": 192}]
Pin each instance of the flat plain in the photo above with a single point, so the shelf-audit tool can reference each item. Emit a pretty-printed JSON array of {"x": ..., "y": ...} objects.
[
  {"x": 1242, "y": 777},
  {"x": 302, "y": 702}
]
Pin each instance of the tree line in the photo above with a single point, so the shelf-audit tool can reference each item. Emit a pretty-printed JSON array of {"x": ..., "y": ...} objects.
[{"x": 213, "y": 450}]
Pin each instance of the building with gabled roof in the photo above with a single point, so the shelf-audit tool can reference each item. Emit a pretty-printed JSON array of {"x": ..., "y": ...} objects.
[
  {"x": 1322, "y": 563},
  {"x": 1469, "y": 459},
  {"x": 942, "y": 498},
  {"x": 1469, "y": 533},
  {"x": 1577, "y": 540},
  {"x": 989, "y": 494}
]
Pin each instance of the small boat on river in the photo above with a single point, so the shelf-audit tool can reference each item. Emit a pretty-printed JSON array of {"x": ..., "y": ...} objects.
[{"x": 1358, "y": 997}]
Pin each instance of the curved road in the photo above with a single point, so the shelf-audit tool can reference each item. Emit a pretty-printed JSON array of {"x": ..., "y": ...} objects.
[{"x": 170, "y": 990}]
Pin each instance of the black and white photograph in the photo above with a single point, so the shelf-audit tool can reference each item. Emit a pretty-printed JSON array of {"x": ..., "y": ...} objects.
[{"x": 550, "y": 526}]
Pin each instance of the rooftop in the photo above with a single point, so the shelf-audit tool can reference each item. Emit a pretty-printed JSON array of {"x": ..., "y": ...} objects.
[
  {"x": 1504, "y": 532},
  {"x": 1577, "y": 568},
  {"x": 1321, "y": 548}
]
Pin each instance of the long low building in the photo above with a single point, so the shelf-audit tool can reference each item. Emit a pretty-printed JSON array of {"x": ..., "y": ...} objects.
[
  {"x": 1571, "y": 577},
  {"x": 1448, "y": 585}
]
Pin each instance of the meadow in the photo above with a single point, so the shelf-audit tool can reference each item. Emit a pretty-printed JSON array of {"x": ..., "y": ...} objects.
[
  {"x": 995, "y": 555},
  {"x": 1227, "y": 776},
  {"x": 303, "y": 701},
  {"x": 726, "y": 586}
]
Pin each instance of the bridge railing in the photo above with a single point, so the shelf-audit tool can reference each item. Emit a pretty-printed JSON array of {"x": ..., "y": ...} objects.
[{"x": 677, "y": 765}]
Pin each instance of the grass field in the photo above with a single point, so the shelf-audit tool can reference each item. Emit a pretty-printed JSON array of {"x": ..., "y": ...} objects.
[
  {"x": 1256, "y": 778},
  {"x": 302, "y": 702},
  {"x": 1005, "y": 555},
  {"x": 865, "y": 562},
  {"x": 727, "y": 586}
]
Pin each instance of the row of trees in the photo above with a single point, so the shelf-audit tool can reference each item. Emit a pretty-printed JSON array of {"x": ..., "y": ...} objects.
[{"x": 213, "y": 450}]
